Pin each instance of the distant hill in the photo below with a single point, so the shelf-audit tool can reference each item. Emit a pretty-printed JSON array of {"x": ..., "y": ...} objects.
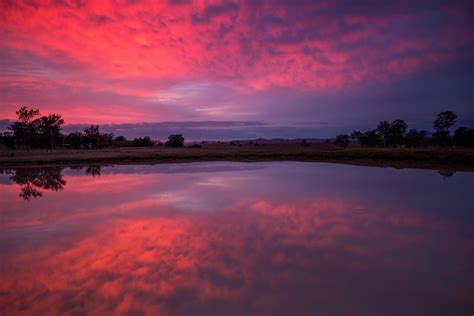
[{"x": 264, "y": 141}]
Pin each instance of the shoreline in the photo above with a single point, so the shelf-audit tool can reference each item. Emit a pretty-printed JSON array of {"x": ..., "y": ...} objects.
[{"x": 453, "y": 159}]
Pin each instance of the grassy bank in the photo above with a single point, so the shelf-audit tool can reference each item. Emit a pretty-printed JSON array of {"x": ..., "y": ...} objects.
[{"x": 432, "y": 158}]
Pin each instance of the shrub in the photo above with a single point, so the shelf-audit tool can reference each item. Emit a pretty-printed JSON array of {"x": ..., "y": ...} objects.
[
  {"x": 464, "y": 137},
  {"x": 342, "y": 140},
  {"x": 175, "y": 140}
]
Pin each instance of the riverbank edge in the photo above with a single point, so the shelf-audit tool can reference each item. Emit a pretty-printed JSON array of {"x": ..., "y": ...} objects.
[{"x": 437, "y": 159}]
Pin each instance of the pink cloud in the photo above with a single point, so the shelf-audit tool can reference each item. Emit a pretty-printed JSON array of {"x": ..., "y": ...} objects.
[{"x": 105, "y": 51}]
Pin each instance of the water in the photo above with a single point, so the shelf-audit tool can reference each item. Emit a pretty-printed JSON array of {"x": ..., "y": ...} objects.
[{"x": 286, "y": 238}]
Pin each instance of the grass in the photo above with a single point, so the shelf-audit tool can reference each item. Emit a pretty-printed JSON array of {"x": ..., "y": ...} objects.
[{"x": 432, "y": 158}]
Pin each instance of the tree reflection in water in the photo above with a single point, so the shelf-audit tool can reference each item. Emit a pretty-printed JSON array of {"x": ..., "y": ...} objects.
[
  {"x": 93, "y": 170},
  {"x": 446, "y": 173},
  {"x": 33, "y": 180}
]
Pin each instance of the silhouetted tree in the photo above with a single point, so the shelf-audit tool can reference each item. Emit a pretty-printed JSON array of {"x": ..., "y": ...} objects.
[
  {"x": 36, "y": 132},
  {"x": 304, "y": 143},
  {"x": 342, "y": 140},
  {"x": 397, "y": 132},
  {"x": 383, "y": 129},
  {"x": 8, "y": 140},
  {"x": 443, "y": 122},
  {"x": 92, "y": 131},
  {"x": 91, "y": 136},
  {"x": 441, "y": 139},
  {"x": 74, "y": 140},
  {"x": 357, "y": 136},
  {"x": 121, "y": 141},
  {"x": 415, "y": 138},
  {"x": 175, "y": 140},
  {"x": 464, "y": 137},
  {"x": 392, "y": 134},
  {"x": 25, "y": 127},
  {"x": 144, "y": 142},
  {"x": 49, "y": 128},
  {"x": 26, "y": 116},
  {"x": 106, "y": 140},
  {"x": 367, "y": 139}
]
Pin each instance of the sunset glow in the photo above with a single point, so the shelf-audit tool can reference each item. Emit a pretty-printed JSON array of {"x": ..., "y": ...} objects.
[
  {"x": 236, "y": 157},
  {"x": 311, "y": 63}
]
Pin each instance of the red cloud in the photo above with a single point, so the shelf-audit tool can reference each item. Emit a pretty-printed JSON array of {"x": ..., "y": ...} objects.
[{"x": 99, "y": 46}]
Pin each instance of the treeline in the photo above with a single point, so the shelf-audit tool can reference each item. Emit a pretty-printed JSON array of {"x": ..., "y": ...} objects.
[
  {"x": 31, "y": 130},
  {"x": 396, "y": 133},
  {"x": 92, "y": 138}
]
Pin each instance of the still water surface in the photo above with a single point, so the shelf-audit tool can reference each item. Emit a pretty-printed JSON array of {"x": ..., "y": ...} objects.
[{"x": 225, "y": 238}]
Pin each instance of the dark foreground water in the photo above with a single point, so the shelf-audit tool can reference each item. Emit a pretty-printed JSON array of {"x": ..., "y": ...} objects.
[{"x": 236, "y": 239}]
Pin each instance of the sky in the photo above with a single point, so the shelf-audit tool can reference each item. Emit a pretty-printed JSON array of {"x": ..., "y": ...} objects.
[{"x": 238, "y": 69}]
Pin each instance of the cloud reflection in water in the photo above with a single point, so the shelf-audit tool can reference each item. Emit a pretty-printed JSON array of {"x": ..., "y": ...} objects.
[{"x": 246, "y": 239}]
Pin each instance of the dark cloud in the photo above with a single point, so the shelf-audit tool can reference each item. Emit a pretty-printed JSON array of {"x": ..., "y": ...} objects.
[
  {"x": 213, "y": 10},
  {"x": 100, "y": 19}
]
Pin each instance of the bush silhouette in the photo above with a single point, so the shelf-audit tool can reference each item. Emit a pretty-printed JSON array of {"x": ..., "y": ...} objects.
[
  {"x": 464, "y": 137},
  {"x": 342, "y": 140},
  {"x": 175, "y": 140}
]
